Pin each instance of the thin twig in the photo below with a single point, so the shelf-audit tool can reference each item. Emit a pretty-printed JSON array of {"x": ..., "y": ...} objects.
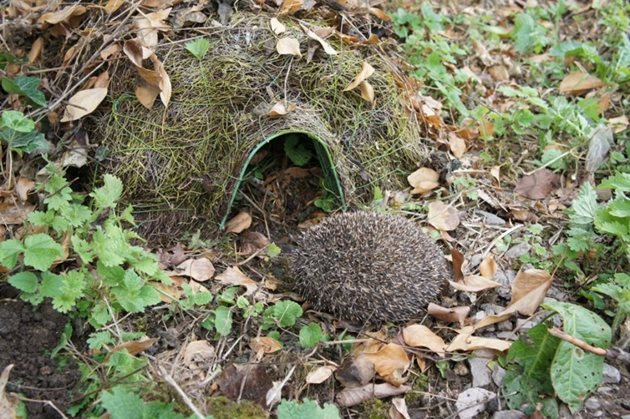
[{"x": 167, "y": 377}]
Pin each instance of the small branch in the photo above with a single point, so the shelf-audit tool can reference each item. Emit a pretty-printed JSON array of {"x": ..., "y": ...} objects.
[
  {"x": 554, "y": 331},
  {"x": 167, "y": 377}
]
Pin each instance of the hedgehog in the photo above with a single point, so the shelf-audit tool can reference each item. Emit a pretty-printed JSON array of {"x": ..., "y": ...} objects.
[{"x": 368, "y": 267}]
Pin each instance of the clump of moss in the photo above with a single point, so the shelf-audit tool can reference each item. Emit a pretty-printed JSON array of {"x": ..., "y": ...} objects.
[
  {"x": 181, "y": 165},
  {"x": 375, "y": 409},
  {"x": 221, "y": 407}
]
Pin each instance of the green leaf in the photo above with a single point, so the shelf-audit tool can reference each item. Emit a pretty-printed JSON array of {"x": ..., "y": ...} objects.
[
  {"x": 584, "y": 206},
  {"x": 133, "y": 294},
  {"x": 311, "y": 335},
  {"x": 77, "y": 214},
  {"x": 9, "y": 252},
  {"x": 273, "y": 250},
  {"x": 110, "y": 244},
  {"x": 108, "y": 195},
  {"x": 99, "y": 340},
  {"x": 25, "y": 86},
  {"x": 199, "y": 47},
  {"x": 296, "y": 150},
  {"x": 286, "y": 312},
  {"x": 71, "y": 289},
  {"x": 308, "y": 409},
  {"x": 620, "y": 182},
  {"x": 82, "y": 248},
  {"x": 40, "y": 251},
  {"x": 24, "y": 281},
  {"x": 223, "y": 320},
  {"x": 25, "y": 142},
  {"x": 122, "y": 403},
  {"x": 574, "y": 372},
  {"x": 17, "y": 121}
]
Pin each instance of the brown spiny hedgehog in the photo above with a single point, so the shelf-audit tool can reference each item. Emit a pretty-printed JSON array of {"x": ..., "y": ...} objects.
[{"x": 365, "y": 266}]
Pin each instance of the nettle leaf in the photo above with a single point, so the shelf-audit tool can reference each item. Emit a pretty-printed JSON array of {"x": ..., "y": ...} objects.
[
  {"x": 25, "y": 86},
  {"x": 77, "y": 214},
  {"x": 574, "y": 372},
  {"x": 40, "y": 251},
  {"x": 133, "y": 294},
  {"x": 72, "y": 285},
  {"x": 82, "y": 248},
  {"x": 286, "y": 313},
  {"x": 308, "y": 409},
  {"x": 311, "y": 335},
  {"x": 9, "y": 252},
  {"x": 223, "y": 320},
  {"x": 620, "y": 182},
  {"x": 584, "y": 206},
  {"x": 40, "y": 218},
  {"x": 108, "y": 195},
  {"x": 99, "y": 340},
  {"x": 24, "y": 281},
  {"x": 110, "y": 244},
  {"x": 199, "y": 47}
]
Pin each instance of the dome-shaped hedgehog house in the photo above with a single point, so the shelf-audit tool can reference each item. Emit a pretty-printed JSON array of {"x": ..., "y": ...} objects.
[{"x": 182, "y": 166}]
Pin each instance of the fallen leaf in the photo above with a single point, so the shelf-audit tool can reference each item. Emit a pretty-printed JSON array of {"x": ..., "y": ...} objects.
[
  {"x": 366, "y": 71},
  {"x": 170, "y": 293},
  {"x": 83, "y": 103},
  {"x": 464, "y": 341},
  {"x": 146, "y": 94},
  {"x": 423, "y": 180},
  {"x": 319, "y": 375},
  {"x": 14, "y": 212},
  {"x": 62, "y": 15},
  {"x": 234, "y": 276},
  {"x": 134, "y": 347},
  {"x": 488, "y": 267},
  {"x": 102, "y": 80},
  {"x": 352, "y": 396},
  {"x": 458, "y": 262},
  {"x": 578, "y": 83},
  {"x": 442, "y": 216},
  {"x": 288, "y": 46},
  {"x": 390, "y": 362},
  {"x": 265, "y": 345},
  {"x": 281, "y": 109},
  {"x": 457, "y": 145},
  {"x": 241, "y": 222},
  {"x": 450, "y": 315},
  {"x": 198, "y": 352},
  {"x": 289, "y": 7},
  {"x": 367, "y": 91},
  {"x": 8, "y": 401},
  {"x": 420, "y": 336},
  {"x": 379, "y": 13},
  {"x": 598, "y": 147},
  {"x": 252, "y": 241},
  {"x": 474, "y": 283},
  {"x": 472, "y": 402},
  {"x": 36, "y": 50},
  {"x": 499, "y": 73},
  {"x": 355, "y": 371},
  {"x": 200, "y": 269},
  {"x": 148, "y": 26},
  {"x": 619, "y": 124},
  {"x": 110, "y": 51},
  {"x": 328, "y": 49},
  {"x": 133, "y": 51},
  {"x": 22, "y": 188},
  {"x": 277, "y": 27},
  {"x": 165, "y": 81},
  {"x": 398, "y": 409},
  {"x": 113, "y": 5},
  {"x": 538, "y": 185},
  {"x": 245, "y": 382}
]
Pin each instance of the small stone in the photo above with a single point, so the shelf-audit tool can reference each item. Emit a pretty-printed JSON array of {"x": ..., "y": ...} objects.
[
  {"x": 498, "y": 373},
  {"x": 508, "y": 414},
  {"x": 505, "y": 326},
  {"x": 593, "y": 404},
  {"x": 492, "y": 308},
  {"x": 472, "y": 402},
  {"x": 481, "y": 374},
  {"x": 460, "y": 369},
  {"x": 475, "y": 260},
  {"x": 611, "y": 374},
  {"x": 490, "y": 218},
  {"x": 507, "y": 335},
  {"x": 518, "y": 250},
  {"x": 605, "y": 390}
]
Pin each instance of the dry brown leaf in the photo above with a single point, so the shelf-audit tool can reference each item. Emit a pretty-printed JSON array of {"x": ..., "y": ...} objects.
[
  {"x": 110, "y": 51},
  {"x": 241, "y": 222},
  {"x": 495, "y": 171},
  {"x": 578, "y": 83},
  {"x": 366, "y": 71},
  {"x": 457, "y": 145},
  {"x": 390, "y": 362},
  {"x": 164, "y": 82},
  {"x": 398, "y": 409},
  {"x": 464, "y": 341},
  {"x": 319, "y": 375},
  {"x": 367, "y": 91},
  {"x": 62, "y": 15},
  {"x": 488, "y": 267},
  {"x": 146, "y": 94},
  {"x": 200, "y": 269},
  {"x": 234, "y": 276},
  {"x": 499, "y": 73},
  {"x": 458, "y": 262},
  {"x": 36, "y": 50},
  {"x": 102, "y": 80},
  {"x": 379, "y": 13},
  {"x": 451, "y": 315},
  {"x": 265, "y": 345},
  {"x": 355, "y": 371},
  {"x": 474, "y": 283},
  {"x": 113, "y": 5},
  {"x": 538, "y": 185},
  {"x": 442, "y": 216},
  {"x": 134, "y": 347},
  {"x": 618, "y": 124},
  {"x": 352, "y": 396},
  {"x": 281, "y": 108},
  {"x": 420, "y": 336},
  {"x": 423, "y": 180},
  {"x": 288, "y": 46},
  {"x": 252, "y": 241},
  {"x": 198, "y": 351},
  {"x": 170, "y": 293},
  {"x": 149, "y": 25},
  {"x": 14, "y": 212},
  {"x": 83, "y": 103},
  {"x": 133, "y": 51},
  {"x": 289, "y": 7},
  {"x": 277, "y": 27},
  {"x": 22, "y": 188},
  {"x": 8, "y": 402},
  {"x": 328, "y": 49}
]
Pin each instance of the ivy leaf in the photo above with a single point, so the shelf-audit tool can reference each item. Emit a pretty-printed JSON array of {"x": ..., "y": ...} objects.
[
  {"x": 40, "y": 251},
  {"x": 311, "y": 335},
  {"x": 25, "y": 86},
  {"x": 108, "y": 195},
  {"x": 199, "y": 47},
  {"x": 286, "y": 313},
  {"x": 9, "y": 252},
  {"x": 24, "y": 281},
  {"x": 17, "y": 121},
  {"x": 308, "y": 409},
  {"x": 223, "y": 320}
]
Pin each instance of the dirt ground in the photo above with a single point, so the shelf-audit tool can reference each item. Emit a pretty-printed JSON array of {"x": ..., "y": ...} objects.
[{"x": 27, "y": 336}]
